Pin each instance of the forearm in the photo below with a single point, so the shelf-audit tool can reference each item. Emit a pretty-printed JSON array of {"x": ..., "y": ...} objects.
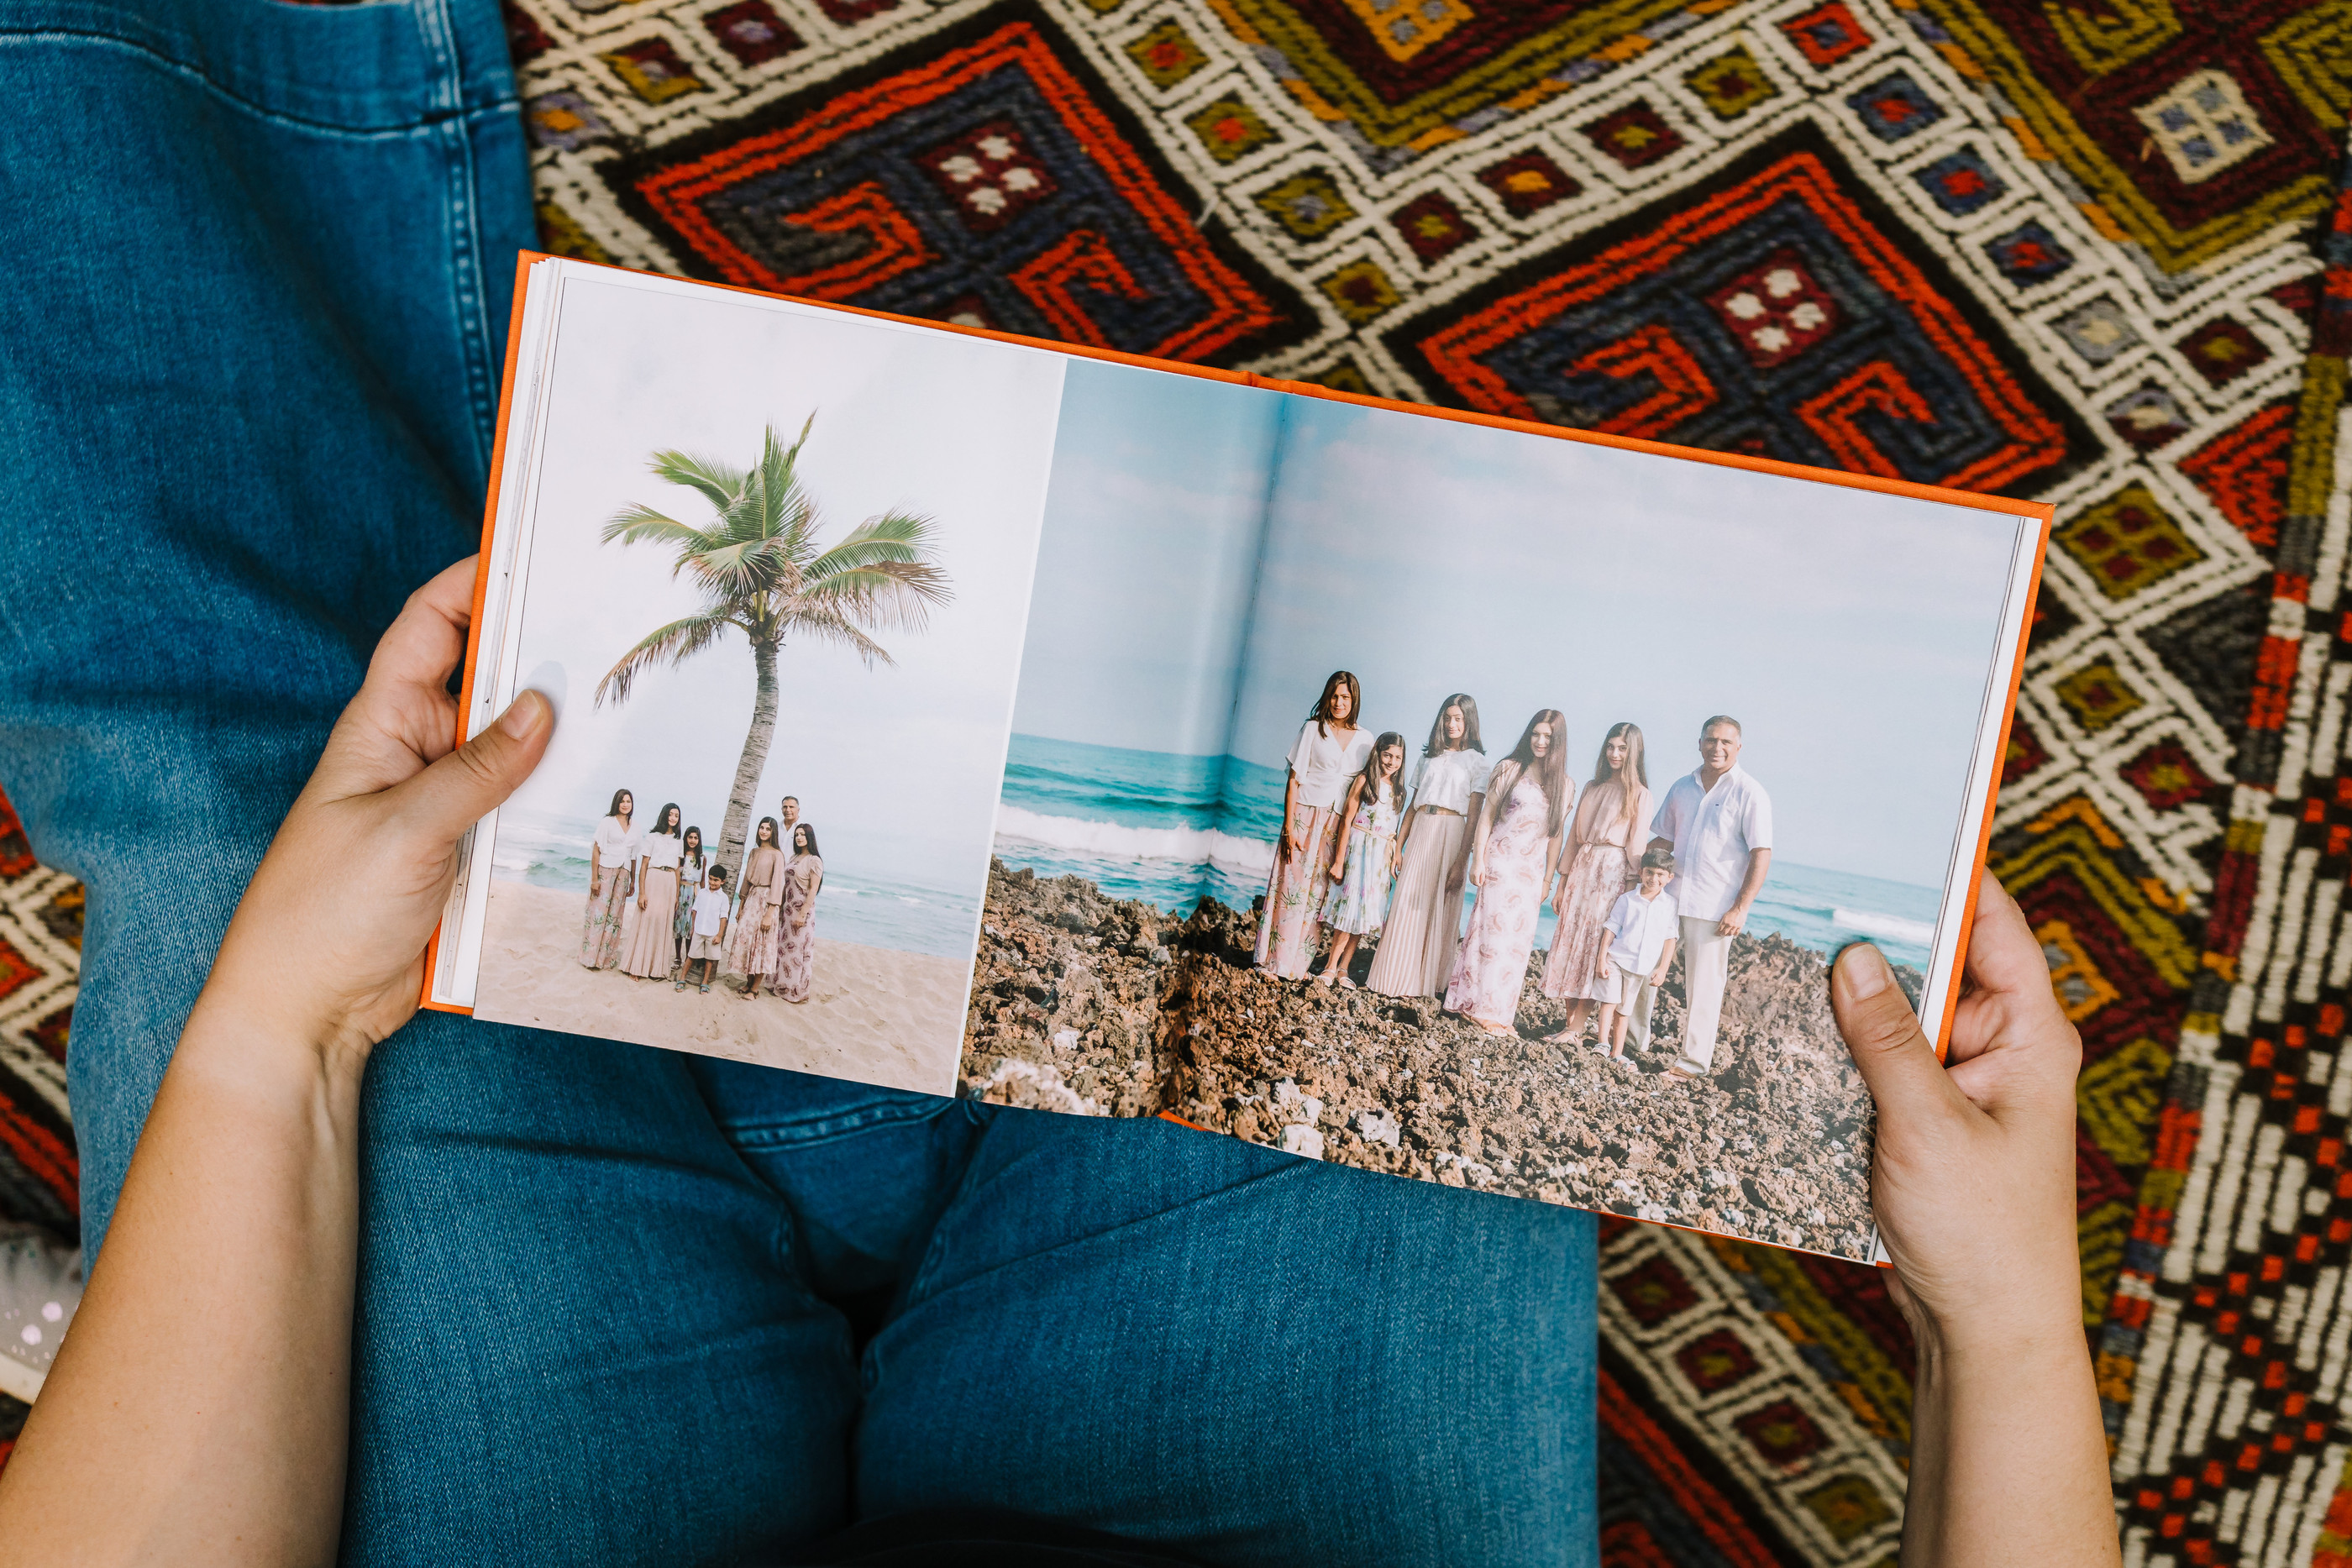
[
  {"x": 1759, "y": 862},
  {"x": 2009, "y": 1459},
  {"x": 199, "y": 1409}
]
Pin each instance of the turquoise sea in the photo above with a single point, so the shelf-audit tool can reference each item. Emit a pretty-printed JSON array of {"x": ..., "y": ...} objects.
[
  {"x": 1169, "y": 830},
  {"x": 853, "y": 907}
]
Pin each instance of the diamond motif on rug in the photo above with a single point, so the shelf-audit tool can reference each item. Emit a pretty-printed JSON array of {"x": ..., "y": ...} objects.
[
  {"x": 1842, "y": 369},
  {"x": 988, "y": 171}
]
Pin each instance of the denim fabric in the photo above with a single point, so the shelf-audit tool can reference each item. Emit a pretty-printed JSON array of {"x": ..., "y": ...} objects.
[{"x": 618, "y": 1305}]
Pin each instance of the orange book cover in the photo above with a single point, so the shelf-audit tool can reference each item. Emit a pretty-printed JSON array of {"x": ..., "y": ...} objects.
[{"x": 963, "y": 712}]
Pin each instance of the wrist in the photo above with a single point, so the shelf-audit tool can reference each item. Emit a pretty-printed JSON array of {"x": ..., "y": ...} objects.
[
  {"x": 273, "y": 1043},
  {"x": 2028, "y": 1333}
]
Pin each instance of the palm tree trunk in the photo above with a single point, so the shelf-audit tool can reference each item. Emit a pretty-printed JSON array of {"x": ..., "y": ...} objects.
[{"x": 738, "y": 827}]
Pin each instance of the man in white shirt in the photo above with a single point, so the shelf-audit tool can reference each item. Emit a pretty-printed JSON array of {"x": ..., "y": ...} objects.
[
  {"x": 791, "y": 807},
  {"x": 1718, "y": 821}
]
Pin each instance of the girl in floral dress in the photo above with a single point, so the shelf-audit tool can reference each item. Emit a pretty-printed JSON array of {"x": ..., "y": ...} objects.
[
  {"x": 1364, "y": 864},
  {"x": 1597, "y": 863},
  {"x": 612, "y": 880},
  {"x": 691, "y": 866},
  {"x": 1511, "y": 857},
  {"x": 796, "y": 921}
]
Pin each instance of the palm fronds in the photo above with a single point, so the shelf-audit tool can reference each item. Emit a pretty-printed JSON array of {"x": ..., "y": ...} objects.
[
  {"x": 762, "y": 567},
  {"x": 674, "y": 643}
]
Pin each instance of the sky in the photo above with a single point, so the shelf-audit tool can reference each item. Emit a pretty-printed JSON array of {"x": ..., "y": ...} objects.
[
  {"x": 1851, "y": 632},
  {"x": 1150, "y": 545},
  {"x": 897, "y": 766}
]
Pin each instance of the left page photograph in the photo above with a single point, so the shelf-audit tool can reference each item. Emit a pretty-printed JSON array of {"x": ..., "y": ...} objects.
[{"x": 772, "y": 565}]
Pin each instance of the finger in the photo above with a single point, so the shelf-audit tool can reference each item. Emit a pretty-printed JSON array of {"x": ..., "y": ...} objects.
[
  {"x": 453, "y": 794},
  {"x": 2004, "y": 956},
  {"x": 1883, "y": 1034},
  {"x": 426, "y": 639},
  {"x": 401, "y": 716}
]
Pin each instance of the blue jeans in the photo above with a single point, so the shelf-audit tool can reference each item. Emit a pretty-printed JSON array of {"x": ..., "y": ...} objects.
[{"x": 620, "y": 1305}]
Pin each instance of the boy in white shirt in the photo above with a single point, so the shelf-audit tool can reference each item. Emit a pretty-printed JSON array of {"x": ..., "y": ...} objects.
[
  {"x": 1642, "y": 929},
  {"x": 710, "y": 907}
]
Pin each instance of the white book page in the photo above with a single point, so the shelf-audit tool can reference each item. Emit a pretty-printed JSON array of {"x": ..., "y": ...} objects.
[{"x": 888, "y": 728}]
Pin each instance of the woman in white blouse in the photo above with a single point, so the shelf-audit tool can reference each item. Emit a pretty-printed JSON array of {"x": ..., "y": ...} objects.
[
  {"x": 1329, "y": 754},
  {"x": 646, "y": 931},
  {"x": 610, "y": 881},
  {"x": 1415, "y": 955}
]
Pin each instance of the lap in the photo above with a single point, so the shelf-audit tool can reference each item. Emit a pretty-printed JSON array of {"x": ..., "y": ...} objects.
[
  {"x": 256, "y": 316},
  {"x": 1178, "y": 1336}
]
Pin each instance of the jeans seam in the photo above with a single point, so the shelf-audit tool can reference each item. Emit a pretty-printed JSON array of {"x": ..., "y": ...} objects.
[
  {"x": 468, "y": 296},
  {"x": 503, "y": 104},
  {"x": 823, "y": 1129}
]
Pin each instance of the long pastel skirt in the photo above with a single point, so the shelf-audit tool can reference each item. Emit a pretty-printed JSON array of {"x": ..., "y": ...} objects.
[
  {"x": 649, "y": 940},
  {"x": 1492, "y": 968},
  {"x": 750, "y": 946},
  {"x": 795, "y": 947},
  {"x": 1415, "y": 955},
  {"x": 1294, "y": 897},
  {"x": 600, "y": 932},
  {"x": 1360, "y": 901},
  {"x": 1596, "y": 876}
]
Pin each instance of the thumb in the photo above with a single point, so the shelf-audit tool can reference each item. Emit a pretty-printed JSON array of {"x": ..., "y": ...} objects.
[
  {"x": 1883, "y": 1036},
  {"x": 453, "y": 794}
]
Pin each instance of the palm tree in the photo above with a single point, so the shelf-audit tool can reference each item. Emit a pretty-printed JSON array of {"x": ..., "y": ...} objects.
[{"x": 763, "y": 573}]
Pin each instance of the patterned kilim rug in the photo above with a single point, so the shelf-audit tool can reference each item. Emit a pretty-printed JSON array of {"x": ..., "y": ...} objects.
[{"x": 2074, "y": 250}]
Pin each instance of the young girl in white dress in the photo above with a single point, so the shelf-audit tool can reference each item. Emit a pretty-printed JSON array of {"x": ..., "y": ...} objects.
[{"x": 1364, "y": 865}]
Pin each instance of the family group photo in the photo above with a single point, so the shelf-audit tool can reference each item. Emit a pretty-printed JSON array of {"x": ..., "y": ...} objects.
[
  {"x": 1373, "y": 869},
  {"x": 1503, "y": 833},
  {"x": 780, "y": 611}
]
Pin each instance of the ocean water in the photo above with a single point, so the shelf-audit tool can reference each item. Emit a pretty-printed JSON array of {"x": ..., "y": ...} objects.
[
  {"x": 1169, "y": 829},
  {"x": 875, "y": 910}
]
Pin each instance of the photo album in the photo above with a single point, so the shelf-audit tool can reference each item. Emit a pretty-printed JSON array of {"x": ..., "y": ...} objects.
[{"x": 1464, "y": 799}]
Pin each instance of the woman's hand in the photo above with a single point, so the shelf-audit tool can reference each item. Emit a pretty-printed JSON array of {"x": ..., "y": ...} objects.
[
  {"x": 200, "y": 1409},
  {"x": 1339, "y": 869},
  {"x": 1972, "y": 1182},
  {"x": 329, "y": 939}
]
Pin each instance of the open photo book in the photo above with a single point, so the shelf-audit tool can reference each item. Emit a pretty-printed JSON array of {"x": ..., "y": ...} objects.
[{"x": 1476, "y": 802}]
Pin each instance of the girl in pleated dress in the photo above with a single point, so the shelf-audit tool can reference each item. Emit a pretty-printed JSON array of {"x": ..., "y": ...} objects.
[
  {"x": 650, "y": 926},
  {"x": 1415, "y": 955},
  {"x": 1365, "y": 862}
]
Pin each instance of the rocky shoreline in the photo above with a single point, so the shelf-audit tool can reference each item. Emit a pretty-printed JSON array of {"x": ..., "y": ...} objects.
[{"x": 1089, "y": 1004}]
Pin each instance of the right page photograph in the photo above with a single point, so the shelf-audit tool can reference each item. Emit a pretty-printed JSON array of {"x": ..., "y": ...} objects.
[{"x": 1555, "y": 776}]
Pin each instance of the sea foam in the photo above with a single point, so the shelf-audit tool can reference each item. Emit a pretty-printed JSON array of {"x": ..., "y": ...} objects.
[
  {"x": 1118, "y": 841},
  {"x": 1871, "y": 923}
]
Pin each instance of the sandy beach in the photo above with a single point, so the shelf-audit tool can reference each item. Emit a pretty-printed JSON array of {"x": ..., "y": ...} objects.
[{"x": 875, "y": 1015}]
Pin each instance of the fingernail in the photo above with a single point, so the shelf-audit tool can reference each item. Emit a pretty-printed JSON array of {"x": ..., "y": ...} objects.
[
  {"x": 524, "y": 716},
  {"x": 1863, "y": 970}
]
